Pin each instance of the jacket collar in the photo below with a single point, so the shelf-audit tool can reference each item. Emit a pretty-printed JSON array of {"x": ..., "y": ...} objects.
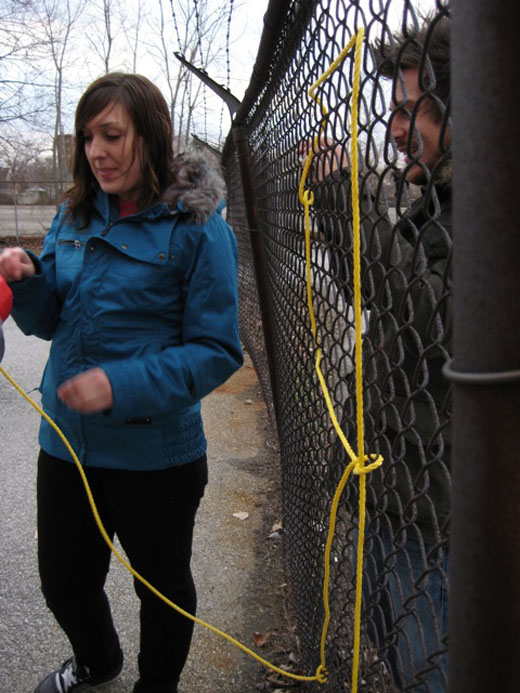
[{"x": 197, "y": 190}]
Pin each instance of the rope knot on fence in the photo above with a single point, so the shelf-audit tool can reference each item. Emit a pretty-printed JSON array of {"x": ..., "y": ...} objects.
[
  {"x": 361, "y": 467},
  {"x": 307, "y": 197},
  {"x": 322, "y": 674}
]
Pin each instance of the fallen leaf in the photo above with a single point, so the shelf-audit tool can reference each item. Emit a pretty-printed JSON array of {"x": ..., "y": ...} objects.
[
  {"x": 260, "y": 639},
  {"x": 279, "y": 681},
  {"x": 241, "y": 516},
  {"x": 276, "y": 527}
]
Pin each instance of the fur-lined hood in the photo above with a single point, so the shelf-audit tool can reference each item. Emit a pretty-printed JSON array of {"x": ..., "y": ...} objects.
[{"x": 197, "y": 186}]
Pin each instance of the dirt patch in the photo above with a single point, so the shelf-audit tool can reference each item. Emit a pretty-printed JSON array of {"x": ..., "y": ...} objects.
[
  {"x": 244, "y": 379},
  {"x": 246, "y": 478},
  {"x": 34, "y": 243}
]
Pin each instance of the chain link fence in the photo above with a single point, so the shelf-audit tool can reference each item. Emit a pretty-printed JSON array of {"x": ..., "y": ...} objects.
[
  {"x": 27, "y": 208},
  {"x": 405, "y": 227}
]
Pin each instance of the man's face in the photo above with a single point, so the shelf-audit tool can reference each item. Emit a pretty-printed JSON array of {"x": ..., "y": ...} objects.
[{"x": 425, "y": 144}]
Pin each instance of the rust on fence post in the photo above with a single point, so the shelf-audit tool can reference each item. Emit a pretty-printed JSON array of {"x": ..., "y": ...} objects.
[{"x": 485, "y": 569}]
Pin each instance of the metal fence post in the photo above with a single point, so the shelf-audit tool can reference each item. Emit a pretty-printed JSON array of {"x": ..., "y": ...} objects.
[
  {"x": 484, "y": 620},
  {"x": 15, "y": 200},
  {"x": 16, "y": 216},
  {"x": 243, "y": 154}
]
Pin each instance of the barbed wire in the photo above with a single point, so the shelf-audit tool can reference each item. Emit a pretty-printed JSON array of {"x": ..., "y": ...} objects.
[
  {"x": 202, "y": 65},
  {"x": 228, "y": 66}
]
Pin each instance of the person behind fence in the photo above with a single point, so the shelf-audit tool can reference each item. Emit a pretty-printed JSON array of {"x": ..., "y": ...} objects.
[
  {"x": 408, "y": 400},
  {"x": 136, "y": 287},
  {"x": 407, "y": 295}
]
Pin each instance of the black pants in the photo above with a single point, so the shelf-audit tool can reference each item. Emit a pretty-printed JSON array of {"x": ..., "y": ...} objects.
[{"x": 153, "y": 515}]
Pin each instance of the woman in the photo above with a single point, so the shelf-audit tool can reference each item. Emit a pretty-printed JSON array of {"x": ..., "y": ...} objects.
[{"x": 136, "y": 288}]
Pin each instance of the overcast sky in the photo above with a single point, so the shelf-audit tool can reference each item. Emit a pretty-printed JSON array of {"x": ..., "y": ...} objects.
[{"x": 84, "y": 63}]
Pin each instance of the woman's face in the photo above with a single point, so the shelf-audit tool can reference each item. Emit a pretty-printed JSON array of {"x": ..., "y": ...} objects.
[{"x": 109, "y": 147}]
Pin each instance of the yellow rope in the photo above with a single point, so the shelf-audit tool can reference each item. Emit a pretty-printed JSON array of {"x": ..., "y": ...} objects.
[
  {"x": 318, "y": 676},
  {"x": 358, "y": 462}
]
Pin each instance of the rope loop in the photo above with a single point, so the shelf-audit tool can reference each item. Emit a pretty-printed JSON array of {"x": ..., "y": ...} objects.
[
  {"x": 362, "y": 468},
  {"x": 322, "y": 674},
  {"x": 308, "y": 197}
]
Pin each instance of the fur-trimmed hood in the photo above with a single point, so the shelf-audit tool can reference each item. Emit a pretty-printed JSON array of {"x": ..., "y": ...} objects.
[{"x": 197, "y": 186}]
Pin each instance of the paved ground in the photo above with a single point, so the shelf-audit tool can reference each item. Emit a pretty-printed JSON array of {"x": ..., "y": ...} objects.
[{"x": 237, "y": 567}]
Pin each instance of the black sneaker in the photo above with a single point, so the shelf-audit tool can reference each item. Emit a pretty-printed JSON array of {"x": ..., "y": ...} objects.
[{"x": 74, "y": 677}]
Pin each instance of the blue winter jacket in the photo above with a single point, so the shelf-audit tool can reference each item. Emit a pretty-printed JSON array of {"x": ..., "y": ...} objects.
[{"x": 152, "y": 300}]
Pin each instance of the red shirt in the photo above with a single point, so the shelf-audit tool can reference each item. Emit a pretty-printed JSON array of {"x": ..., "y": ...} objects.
[{"x": 126, "y": 208}]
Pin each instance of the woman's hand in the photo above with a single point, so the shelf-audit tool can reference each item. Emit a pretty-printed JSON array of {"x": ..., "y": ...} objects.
[
  {"x": 15, "y": 264},
  {"x": 88, "y": 393}
]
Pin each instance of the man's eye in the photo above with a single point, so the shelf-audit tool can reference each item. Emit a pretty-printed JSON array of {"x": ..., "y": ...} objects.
[
  {"x": 113, "y": 138},
  {"x": 402, "y": 111}
]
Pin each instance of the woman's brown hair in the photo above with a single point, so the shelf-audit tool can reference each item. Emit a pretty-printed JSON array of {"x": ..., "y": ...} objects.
[{"x": 148, "y": 111}]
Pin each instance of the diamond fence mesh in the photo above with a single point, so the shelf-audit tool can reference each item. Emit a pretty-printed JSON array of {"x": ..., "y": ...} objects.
[{"x": 405, "y": 227}]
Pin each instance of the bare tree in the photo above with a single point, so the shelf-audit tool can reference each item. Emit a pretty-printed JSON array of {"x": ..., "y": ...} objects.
[
  {"x": 132, "y": 26},
  {"x": 18, "y": 157},
  {"x": 23, "y": 83},
  {"x": 195, "y": 30},
  {"x": 43, "y": 41},
  {"x": 102, "y": 29},
  {"x": 58, "y": 19}
]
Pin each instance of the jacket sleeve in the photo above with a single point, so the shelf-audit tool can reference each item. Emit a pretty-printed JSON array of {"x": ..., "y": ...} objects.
[
  {"x": 404, "y": 266},
  {"x": 180, "y": 375},
  {"x": 36, "y": 304},
  {"x": 412, "y": 273}
]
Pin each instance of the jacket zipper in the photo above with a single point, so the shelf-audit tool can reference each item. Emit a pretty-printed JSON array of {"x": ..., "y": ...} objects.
[
  {"x": 66, "y": 241},
  {"x": 107, "y": 228}
]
